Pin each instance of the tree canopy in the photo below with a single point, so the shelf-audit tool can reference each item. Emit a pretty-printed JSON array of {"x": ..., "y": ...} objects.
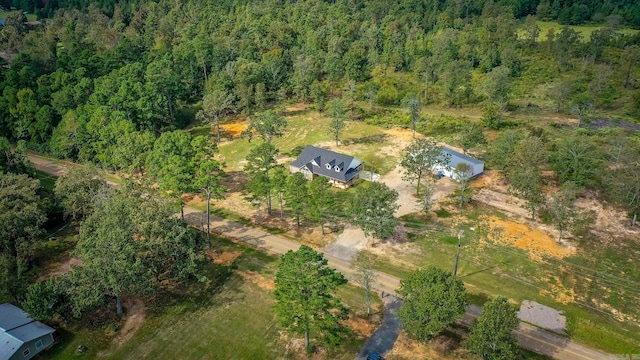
[
  {"x": 491, "y": 333},
  {"x": 305, "y": 303},
  {"x": 433, "y": 299},
  {"x": 372, "y": 208},
  {"x": 128, "y": 245}
]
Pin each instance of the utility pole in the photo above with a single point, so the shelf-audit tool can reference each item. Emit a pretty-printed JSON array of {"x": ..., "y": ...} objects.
[{"x": 455, "y": 262}]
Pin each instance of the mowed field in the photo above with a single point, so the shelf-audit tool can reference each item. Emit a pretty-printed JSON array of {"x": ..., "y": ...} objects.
[
  {"x": 230, "y": 316},
  {"x": 307, "y": 127},
  {"x": 30, "y": 17},
  {"x": 584, "y": 30}
]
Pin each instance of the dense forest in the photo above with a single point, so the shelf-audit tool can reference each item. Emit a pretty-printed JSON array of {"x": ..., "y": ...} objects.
[
  {"x": 99, "y": 84},
  {"x": 81, "y": 81}
]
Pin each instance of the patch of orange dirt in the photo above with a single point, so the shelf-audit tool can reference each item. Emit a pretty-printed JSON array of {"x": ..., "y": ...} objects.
[
  {"x": 559, "y": 292},
  {"x": 361, "y": 326},
  {"x": 254, "y": 277},
  {"x": 520, "y": 235},
  {"x": 401, "y": 134},
  {"x": 234, "y": 129},
  {"x": 225, "y": 259}
]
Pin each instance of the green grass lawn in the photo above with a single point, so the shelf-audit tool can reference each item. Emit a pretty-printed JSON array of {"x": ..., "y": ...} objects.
[
  {"x": 30, "y": 17},
  {"x": 310, "y": 128},
  {"x": 228, "y": 319},
  {"x": 47, "y": 182},
  {"x": 585, "y": 30}
]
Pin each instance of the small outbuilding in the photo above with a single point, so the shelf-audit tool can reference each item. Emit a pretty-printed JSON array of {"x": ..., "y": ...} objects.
[
  {"x": 21, "y": 337},
  {"x": 341, "y": 170},
  {"x": 476, "y": 166}
]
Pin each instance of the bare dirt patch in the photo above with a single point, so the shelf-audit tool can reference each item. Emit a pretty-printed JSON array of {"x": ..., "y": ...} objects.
[
  {"x": 136, "y": 313},
  {"x": 610, "y": 223},
  {"x": 439, "y": 348},
  {"x": 401, "y": 134},
  {"x": 234, "y": 129},
  {"x": 258, "y": 279},
  {"x": 504, "y": 202},
  {"x": 296, "y": 349},
  {"x": 297, "y": 107},
  {"x": 59, "y": 268},
  {"x": 361, "y": 326},
  {"x": 522, "y": 236},
  {"x": 225, "y": 259}
]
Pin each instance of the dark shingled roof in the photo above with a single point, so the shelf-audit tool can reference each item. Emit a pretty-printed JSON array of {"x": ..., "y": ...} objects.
[{"x": 316, "y": 160}]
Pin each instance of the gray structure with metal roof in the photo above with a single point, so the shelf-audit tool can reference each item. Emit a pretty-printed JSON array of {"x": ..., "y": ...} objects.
[
  {"x": 341, "y": 170},
  {"x": 455, "y": 158},
  {"x": 21, "y": 337}
]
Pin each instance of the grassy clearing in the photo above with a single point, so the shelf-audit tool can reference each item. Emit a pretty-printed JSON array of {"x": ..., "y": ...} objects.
[
  {"x": 495, "y": 269},
  {"x": 584, "y": 30},
  {"x": 230, "y": 317},
  {"x": 310, "y": 128},
  {"x": 30, "y": 17},
  {"x": 47, "y": 182}
]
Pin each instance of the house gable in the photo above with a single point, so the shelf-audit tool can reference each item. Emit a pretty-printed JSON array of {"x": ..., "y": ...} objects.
[{"x": 327, "y": 163}]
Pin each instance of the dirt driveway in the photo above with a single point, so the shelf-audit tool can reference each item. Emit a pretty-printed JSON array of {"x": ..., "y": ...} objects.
[{"x": 406, "y": 191}]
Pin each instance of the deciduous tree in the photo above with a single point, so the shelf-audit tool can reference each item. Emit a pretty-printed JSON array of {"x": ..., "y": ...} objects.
[
  {"x": 337, "y": 116},
  {"x": 413, "y": 106},
  {"x": 78, "y": 191},
  {"x": 562, "y": 207},
  {"x": 214, "y": 105},
  {"x": 433, "y": 299},
  {"x": 267, "y": 125},
  {"x": 365, "y": 276},
  {"x": 319, "y": 200},
  {"x": 462, "y": 174},
  {"x": 22, "y": 213},
  {"x": 491, "y": 333},
  {"x": 305, "y": 302},
  {"x": 130, "y": 244},
  {"x": 577, "y": 159},
  {"x": 419, "y": 158},
  {"x": 372, "y": 208},
  {"x": 207, "y": 174},
  {"x": 470, "y": 136},
  {"x": 261, "y": 162},
  {"x": 295, "y": 194},
  {"x": 525, "y": 174}
]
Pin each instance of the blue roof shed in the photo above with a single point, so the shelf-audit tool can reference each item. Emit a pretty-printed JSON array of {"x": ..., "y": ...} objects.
[{"x": 21, "y": 337}]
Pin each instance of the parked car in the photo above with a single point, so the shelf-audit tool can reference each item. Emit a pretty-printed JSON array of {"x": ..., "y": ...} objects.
[{"x": 373, "y": 356}]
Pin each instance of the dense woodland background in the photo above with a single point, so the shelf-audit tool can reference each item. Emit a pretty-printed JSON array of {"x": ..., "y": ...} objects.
[{"x": 98, "y": 83}]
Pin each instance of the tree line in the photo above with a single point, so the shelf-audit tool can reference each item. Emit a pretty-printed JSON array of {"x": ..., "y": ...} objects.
[
  {"x": 89, "y": 77},
  {"x": 432, "y": 300}
]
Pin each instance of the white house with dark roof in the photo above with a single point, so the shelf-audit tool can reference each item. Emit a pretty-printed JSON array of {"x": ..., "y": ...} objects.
[
  {"x": 341, "y": 170},
  {"x": 21, "y": 337},
  {"x": 455, "y": 158}
]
